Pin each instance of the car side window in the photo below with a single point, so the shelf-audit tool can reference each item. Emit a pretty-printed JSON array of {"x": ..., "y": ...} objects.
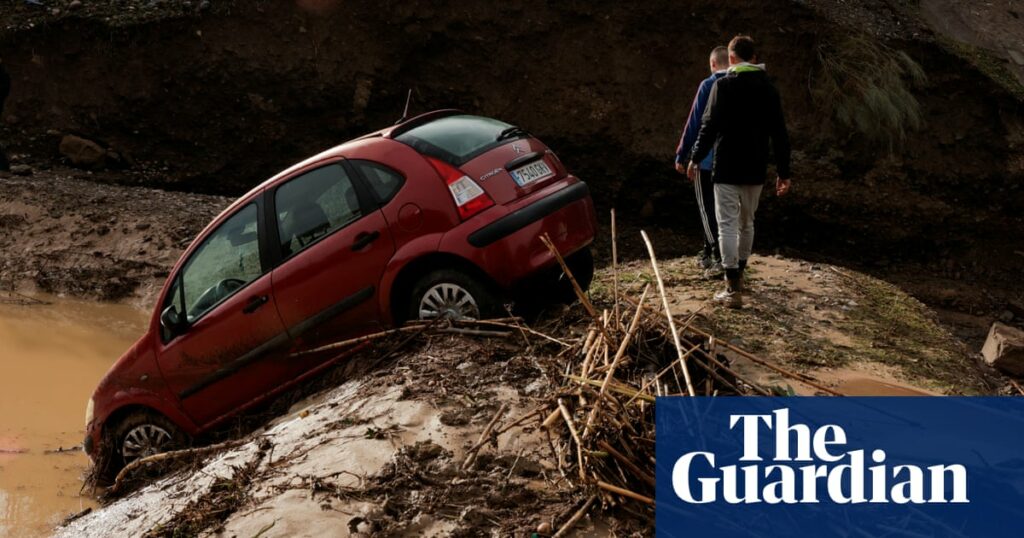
[
  {"x": 314, "y": 205},
  {"x": 227, "y": 260},
  {"x": 384, "y": 182}
]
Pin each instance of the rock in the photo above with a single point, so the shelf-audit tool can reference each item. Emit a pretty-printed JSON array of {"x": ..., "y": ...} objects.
[
  {"x": 21, "y": 170},
  {"x": 1006, "y": 316},
  {"x": 1004, "y": 349},
  {"x": 75, "y": 4},
  {"x": 82, "y": 152},
  {"x": 535, "y": 387},
  {"x": 1017, "y": 56},
  {"x": 544, "y": 529}
]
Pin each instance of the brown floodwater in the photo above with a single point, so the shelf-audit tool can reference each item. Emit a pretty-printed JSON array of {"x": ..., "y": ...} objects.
[{"x": 51, "y": 358}]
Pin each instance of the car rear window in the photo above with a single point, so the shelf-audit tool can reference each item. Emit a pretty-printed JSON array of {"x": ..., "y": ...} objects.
[{"x": 455, "y": 139}]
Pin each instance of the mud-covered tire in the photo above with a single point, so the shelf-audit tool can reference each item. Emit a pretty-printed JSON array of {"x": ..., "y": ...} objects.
[
  {"x": 139, "y": 425},
  {"x": 582, "y": 266},
  {"x": 448, "y": 289}
]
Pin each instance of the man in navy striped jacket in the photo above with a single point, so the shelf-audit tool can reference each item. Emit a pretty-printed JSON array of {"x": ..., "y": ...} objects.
[{"x": 710, "y": 259}]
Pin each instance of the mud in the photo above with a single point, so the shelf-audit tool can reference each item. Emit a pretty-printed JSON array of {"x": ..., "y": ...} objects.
[
  {"x": 374, "y": 455},
  {"x": 61, "y": 232},
  {"x": 866, "y": 386},
  {"x": 51, "y": 357},
  {"x": 382, "y": 449}
]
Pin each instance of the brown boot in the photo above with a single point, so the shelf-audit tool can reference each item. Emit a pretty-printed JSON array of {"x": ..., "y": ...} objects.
[{"x": 731, "y": 297}]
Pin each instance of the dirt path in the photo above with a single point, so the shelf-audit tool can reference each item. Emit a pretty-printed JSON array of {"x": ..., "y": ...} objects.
[{"x": 835, "y": 324}]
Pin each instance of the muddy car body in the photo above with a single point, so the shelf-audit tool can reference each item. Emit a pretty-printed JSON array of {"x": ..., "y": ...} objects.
[{"x": 438, "y": 215}]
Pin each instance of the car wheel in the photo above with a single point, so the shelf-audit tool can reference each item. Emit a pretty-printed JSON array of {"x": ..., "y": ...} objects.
[
  {"x": 448, "y": 293},
  {"x": 143, "y": 434},
  {"x": 582, "y": 266}
]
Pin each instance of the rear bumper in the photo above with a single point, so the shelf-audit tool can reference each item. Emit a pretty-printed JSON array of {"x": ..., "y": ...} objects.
[
  {"x": 519, "y": 219},
  {"x": 505, "y": 240}
]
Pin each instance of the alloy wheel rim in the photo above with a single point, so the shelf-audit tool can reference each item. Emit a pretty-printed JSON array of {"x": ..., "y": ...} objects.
[
  {"x": 448, "y": 301},
  {"x": 143, "y": 441}
]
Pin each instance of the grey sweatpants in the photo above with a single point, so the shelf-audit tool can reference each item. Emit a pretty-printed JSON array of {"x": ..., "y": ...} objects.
[{"x": 735, "y": 206}]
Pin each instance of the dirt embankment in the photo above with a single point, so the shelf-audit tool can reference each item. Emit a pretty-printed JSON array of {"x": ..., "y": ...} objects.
[
  {"x": 214, "y": 99},
  {"x": 391, "y": 450}
]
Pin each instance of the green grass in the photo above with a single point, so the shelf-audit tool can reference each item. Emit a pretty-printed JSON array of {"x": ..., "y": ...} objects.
[{"x": 869, "y": 87}]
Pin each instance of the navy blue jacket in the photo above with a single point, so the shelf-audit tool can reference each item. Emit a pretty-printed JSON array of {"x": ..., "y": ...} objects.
[{"x": 692, "y": 127}]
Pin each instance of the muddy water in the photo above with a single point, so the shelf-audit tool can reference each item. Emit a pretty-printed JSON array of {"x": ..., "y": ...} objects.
[{"x": 51, "y": 357}]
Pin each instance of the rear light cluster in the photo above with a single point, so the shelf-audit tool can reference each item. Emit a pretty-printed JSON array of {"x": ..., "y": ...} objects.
[{"x": 469, "y": 197}]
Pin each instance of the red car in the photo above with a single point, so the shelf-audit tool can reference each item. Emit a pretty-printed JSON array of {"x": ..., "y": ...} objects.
[{"x": 439, "y": 215}]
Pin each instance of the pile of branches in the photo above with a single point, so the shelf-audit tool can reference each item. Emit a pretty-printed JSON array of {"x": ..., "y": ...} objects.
[{"x": 601, "y": 419}]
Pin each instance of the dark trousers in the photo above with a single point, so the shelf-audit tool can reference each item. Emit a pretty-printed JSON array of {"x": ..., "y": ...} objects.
[{"x": 705, "y": 191}]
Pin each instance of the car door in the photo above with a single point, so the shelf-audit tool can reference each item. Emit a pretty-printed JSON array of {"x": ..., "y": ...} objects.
[
  {"x": 333, "y": 246},
  {"x": 227, "y": 347}
]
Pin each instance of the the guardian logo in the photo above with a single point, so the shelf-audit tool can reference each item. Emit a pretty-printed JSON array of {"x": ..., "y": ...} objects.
[{"x": 809, "y": 466}]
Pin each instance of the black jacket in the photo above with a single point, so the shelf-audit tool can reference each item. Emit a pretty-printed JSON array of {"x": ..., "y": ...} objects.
[{"x": 743, "y": 112}]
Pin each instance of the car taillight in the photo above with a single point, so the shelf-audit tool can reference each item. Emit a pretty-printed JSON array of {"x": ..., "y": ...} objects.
[{"x": 469, "y": 197}]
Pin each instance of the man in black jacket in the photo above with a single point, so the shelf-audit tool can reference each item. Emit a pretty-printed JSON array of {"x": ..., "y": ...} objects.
[
  {"x": 5, "y": 90},
  {"x": 743, "y": 112}
]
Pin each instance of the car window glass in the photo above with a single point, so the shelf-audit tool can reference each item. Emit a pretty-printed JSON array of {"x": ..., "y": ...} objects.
[
  {"x": 173, "y": 299},
  {"x": 384, "y": 181},
  {"x": 313, "y": 205},
  {"x": 227, "y": 260},
  {"x": 454, "y": 139}
]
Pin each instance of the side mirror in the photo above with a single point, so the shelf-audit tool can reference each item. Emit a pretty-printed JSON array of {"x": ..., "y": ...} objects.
[{"x": 172, "y": 321}]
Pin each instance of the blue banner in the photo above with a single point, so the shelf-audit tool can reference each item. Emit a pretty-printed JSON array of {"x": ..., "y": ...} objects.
[{"x": 840, "y": 466}]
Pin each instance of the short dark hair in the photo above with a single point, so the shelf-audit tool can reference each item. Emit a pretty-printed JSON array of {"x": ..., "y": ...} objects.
[
  {"x": 720, "y": 55},
  {"x": 743, "y": 47}
]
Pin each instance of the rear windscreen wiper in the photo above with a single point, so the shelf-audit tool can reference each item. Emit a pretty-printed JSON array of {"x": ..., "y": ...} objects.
[{"x": 512, "y": 132}]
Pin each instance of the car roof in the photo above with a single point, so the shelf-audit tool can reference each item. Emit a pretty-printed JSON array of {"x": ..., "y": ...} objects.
[{"x": 347, "y": 149}]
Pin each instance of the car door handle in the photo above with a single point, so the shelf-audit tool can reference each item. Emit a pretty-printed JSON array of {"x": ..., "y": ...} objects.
[
  {"x": 364, "y": 239},
  {"x": 255, "y": 303}
]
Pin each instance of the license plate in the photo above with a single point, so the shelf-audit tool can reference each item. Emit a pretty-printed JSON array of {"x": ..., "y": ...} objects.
[{"x": 532, "y": 172}]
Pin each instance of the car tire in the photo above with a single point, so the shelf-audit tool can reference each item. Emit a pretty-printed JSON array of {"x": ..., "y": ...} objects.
[
  {"x": 149, "y": 432},
  {"x": 582, "y": 266},
  {"x": 448, "y": 292}
]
